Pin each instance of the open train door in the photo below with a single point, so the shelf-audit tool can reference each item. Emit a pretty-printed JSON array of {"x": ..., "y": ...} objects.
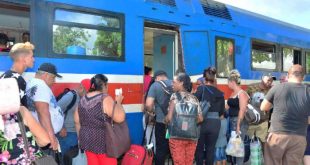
[{"x": 196, "y": 51}]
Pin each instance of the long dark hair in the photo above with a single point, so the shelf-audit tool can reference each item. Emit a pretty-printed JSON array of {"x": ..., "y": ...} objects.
[
  {"x": 210, "y": 75},
  {"x": 97, "y": 82},
  {"x": 187, "y": 84}
]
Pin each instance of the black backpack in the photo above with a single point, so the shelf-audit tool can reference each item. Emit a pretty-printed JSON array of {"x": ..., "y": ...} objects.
[
  {"x": 67, "y": 90},
  {"x": 167, "y": 94}
]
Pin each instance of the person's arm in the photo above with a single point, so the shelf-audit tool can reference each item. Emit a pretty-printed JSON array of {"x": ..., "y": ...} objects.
[
  {"x": 77, "y": 122},
  {"x": 150, "y": 100},
  {"x": 63, "y": 103},
  {"x": 35, "y": 128},
  {"x": 44, "y": 116},
  {"x": 243, "y": 102},
  {"x": 198, "y": 93},
  {"x": 266, "y": 105},
  {"x": 169, "y": 116},
  {"x": 119, "y": 114}
]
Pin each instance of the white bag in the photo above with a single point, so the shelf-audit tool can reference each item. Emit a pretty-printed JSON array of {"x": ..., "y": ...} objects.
[
  {"x": 235, "y": 146},
  {"x": 9, "y": 96},
  {"x": 80, "y": 159}
]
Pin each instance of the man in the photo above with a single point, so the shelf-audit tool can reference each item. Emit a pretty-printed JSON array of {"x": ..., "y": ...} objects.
[
  {"x": 42, "y": 101},
  {"x": 26, "y": 37},
  {"x": 68, "y": 103},
  {"x": 156, "y": 97},
  {"x": 257, "y": 93},
  {"x": 286, "y": 140},
  {"x": 4, "y": 39},
  {"x": 22, "y": 56}
]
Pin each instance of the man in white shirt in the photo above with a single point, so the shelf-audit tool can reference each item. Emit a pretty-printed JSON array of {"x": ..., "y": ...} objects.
[{"x": 42, "y": 102}]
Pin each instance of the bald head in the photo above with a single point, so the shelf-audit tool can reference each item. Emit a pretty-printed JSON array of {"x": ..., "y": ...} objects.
[{"x": 296, "y": 73}]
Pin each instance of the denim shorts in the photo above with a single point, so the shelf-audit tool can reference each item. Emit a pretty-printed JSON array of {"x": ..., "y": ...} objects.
[{"x": 220, "y": 154}]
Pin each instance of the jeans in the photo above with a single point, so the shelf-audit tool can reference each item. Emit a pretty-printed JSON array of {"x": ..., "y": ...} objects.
[
  {"x": 206, "y": 144},
  {"x": 243, "y": 128},
  {"x": 67, "y": 142},
  {"x": 162, "y": 144}
]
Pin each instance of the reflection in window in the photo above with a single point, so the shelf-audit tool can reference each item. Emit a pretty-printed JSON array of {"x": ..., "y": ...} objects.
[
  {"x": 288, "y": 58},
  {"x": 224, "y": 56},
  {"x": 263, "y": 55},
  {"x": 307, "y": 62},
  {"x": 82, "y": 41},
  {"x": 83, "y": 18},
  {"x": 77, "y": 33}
]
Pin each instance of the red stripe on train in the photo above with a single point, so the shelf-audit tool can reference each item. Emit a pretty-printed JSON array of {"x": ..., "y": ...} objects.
[{"x": 132, "y": 92}]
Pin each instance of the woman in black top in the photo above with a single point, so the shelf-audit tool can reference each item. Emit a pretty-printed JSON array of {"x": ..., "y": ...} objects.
[
  {"x": 236, "y": 105},
  {"x": 211, "y": 125}
]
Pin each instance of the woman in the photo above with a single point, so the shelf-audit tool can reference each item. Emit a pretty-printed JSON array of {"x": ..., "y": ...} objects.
[
  {"x": 211, "y": 126},
  {"x": 94, "y": 109},
  {"x": 236, "y": 105},
  {"x": 11, "y": 141},
  {"x": 183, "y": 150}
]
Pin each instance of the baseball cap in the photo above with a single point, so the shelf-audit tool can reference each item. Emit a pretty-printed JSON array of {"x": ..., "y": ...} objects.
[
  {"x": 159, "y": 73},
  {"x": 86, "y": 84},
  {"x": 49, "y": 68},
  {"x": 269, "y": 75}
]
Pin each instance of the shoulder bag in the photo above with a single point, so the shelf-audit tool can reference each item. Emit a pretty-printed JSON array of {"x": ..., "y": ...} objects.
[{"x": 116, "y": 137}]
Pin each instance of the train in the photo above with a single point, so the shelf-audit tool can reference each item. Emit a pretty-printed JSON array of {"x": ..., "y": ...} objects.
[{"x": 118, "y": 38}]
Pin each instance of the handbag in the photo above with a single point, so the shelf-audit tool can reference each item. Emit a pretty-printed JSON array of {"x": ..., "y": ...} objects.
[
  {"x": 80, "y": 159},
  {"x": 235, "y": 146},
  {"x": 9, "y": 96},
  {"x": 44, "y": 160},
  {"x": 116, "y": 137},
  {"x": 256, "y": 156}
]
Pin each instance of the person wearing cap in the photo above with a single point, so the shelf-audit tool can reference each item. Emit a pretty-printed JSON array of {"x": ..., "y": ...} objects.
[
  {"x": 286, "y": 142},
  {"x": 155, "y": 98},
  {"x": 22, "y": 56},
  {"x": 42, "y": 102},
  {"x": 257, "y": 92},
  {"x": 68, "y": 103}
]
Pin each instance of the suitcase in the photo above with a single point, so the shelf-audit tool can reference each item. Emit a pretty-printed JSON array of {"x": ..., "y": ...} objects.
[{"x": 138, "y": 155}]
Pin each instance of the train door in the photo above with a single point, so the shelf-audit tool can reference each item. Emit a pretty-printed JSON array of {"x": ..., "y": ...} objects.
[
  {"x": 196, "y": 51},
  {"x": 160, "y": 49}
]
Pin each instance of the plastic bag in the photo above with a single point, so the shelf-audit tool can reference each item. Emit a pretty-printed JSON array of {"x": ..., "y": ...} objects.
[
  {"x": 80, "y": 159},
  {"x": 256, "y": 156},
  {"x": 235, "y": 146}
]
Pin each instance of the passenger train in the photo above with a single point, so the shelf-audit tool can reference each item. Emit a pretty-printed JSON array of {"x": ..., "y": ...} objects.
[{"x": 118, "y": 38}]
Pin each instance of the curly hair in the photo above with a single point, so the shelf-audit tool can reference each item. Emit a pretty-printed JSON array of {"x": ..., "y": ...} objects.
[
  {"x": 187, "y": 84},
  {"x": 235, "y": 76}
]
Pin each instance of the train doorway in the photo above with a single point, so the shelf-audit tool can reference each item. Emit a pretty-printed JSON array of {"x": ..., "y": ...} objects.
[{"x": 161, "y": 48}]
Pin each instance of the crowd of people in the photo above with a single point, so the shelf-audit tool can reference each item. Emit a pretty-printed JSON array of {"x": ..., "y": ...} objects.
[{"x": 190, "y": 124}]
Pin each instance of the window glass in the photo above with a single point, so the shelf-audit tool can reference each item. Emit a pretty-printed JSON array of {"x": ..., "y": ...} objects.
[
  {"x": 307, "y": 62},
  {"x": 263, "y": 56},
  {"x": 288, "y": 58},
  {"x": 77, "y": 33},
  {"x": 83, "y": 18},
  {"x": 82, "y": 41},
  {"x": 224, "y": 56}
]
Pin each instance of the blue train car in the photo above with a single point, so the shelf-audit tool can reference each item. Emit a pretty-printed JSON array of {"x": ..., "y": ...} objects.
[{"x": 118, "y": 38}]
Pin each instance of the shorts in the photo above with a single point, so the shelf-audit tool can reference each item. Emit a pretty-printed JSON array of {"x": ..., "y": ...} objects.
[
  {"x": 220, "y": 154},
  {"x": 260, "y": 130}
]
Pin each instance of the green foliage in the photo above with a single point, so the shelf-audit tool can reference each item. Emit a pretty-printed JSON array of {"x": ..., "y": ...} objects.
[
  {"x": 259, "y": 56},
  {"x": 308, "y": 62},
  {"x": 64, "y": 36},
  {"x": 224, "y": 56}
]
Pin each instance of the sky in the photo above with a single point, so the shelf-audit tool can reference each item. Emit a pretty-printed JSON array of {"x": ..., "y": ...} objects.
[{"x": 296, "y": 12}]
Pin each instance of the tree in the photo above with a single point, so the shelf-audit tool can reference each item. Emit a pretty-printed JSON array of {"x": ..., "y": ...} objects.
[
  {"x": 107, "y": 42},
  {"x": 65, "y": 36}
]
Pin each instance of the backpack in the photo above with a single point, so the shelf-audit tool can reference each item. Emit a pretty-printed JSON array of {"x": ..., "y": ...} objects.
[
  {"x": 66, "y": 91},
  {"x": 252, "y": 115},
  {"x": 184, "y": 121},
  {"x": 167, "y": 94}
]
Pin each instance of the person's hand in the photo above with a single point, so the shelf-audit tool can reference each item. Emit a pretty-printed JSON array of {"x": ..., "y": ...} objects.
[
  {"x": 63, "y": 132},
  {"x": 238, "y": 130},
  {"x": 119, "y": 99},
  {"x": 54, "y": 143}
]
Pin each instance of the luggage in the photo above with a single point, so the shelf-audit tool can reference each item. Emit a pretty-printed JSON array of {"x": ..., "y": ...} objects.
[{"x": 138, "y": 155}]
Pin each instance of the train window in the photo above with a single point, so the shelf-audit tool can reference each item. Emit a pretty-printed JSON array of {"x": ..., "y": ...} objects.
[
  {"x": 224, "y": 56},
  {"x": 290, "y": 57},
  {"x": 77, "y": 33},
  {"x": 263, "y": 55},
  {"x": 14, "y": 24},
  {"x": 307, "y": 62}
]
